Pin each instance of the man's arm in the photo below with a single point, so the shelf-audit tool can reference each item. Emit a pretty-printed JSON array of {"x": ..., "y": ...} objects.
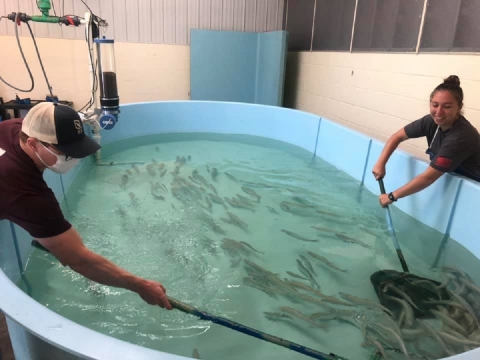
[{"x": 69, "y": 249}]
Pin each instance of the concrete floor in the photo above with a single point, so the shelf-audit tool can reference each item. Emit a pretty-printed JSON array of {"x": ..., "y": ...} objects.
[{"x": 6, "y": 352}]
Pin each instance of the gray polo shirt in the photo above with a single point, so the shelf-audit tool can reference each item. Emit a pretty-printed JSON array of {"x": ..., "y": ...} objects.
[{"x": 455, "y": 150}]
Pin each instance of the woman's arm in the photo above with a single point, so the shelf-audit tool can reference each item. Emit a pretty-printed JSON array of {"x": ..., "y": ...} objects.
[
  {"x": 418, "y": 183},
  {"x": 392, "y": 143}
]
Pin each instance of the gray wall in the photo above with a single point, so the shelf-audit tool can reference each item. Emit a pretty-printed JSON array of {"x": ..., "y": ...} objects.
[
  {"x": 152, "y": 21},
  {"x": 383, "y": 25}
]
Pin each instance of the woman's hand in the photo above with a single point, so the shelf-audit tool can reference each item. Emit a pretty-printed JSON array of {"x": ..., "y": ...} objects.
[
  {"x": 378, "y": 171},
  {"x": 384, "y": 200}
]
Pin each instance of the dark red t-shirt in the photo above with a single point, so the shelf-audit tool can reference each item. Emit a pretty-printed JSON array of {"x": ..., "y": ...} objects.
[{"x": 25, "y": 198}]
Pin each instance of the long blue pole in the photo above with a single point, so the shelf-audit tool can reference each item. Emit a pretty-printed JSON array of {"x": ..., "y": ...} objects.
[
  {"x": 252, "y": 332},
  {"x": 392, "y": 231}
]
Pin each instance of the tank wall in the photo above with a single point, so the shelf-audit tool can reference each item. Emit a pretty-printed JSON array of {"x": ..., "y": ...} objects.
[{"x": 446, "y": 206}]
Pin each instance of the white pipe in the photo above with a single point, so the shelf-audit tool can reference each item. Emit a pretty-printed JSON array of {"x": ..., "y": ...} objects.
[
  {"x": 353, "y": 25},
  {"x": 313, "y": 26},
  {"x": 420, "y": 33}
]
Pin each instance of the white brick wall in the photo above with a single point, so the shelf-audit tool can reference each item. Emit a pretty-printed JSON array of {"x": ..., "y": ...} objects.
[
  {"x": 378, "y": 93},
  {"x": 145, "y": 72}
]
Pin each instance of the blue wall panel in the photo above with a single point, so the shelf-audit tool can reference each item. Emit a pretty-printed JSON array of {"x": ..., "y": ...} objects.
[
  {"x": 431, "y": 206},
  {"x": 8, "y": 264},
  {"x": 223, "y": 65},
  {"x": 24, "y": 244},
  {"x": 271, "y": 61},
  {"x": 466, "y": 225},
  {"x": 238, "y": 66},
  {"x": 228, "y": 118},
  {"x": 344, "y": 148}
]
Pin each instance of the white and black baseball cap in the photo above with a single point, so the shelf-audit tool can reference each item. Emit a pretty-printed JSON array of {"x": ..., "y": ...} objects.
[{"x": 61, "y": 126}]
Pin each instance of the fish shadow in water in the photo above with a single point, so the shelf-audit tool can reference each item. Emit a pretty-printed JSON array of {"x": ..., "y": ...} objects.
[{"x": 237, "y": 249}]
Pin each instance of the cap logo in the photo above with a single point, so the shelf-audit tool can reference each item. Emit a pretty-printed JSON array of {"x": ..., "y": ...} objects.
[{"x": 78, "y": 126}]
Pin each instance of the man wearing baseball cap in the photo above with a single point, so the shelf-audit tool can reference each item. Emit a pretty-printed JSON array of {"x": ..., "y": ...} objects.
[{"x": 52, "y": 136}]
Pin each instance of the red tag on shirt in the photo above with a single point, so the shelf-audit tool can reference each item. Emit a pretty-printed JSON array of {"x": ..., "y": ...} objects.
[{"x": 443, "y": 162}]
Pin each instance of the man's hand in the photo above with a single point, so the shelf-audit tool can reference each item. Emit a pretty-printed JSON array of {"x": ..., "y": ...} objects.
[
  {"x": 378, "y": 171},
  {"x": 69, "y": 249},
  {"x": 154, "y": 294},
  {"x": 384, "y": 200}
]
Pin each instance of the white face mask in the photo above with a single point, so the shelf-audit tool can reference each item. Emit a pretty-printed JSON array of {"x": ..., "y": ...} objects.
[{"x": 61, "y": 166}]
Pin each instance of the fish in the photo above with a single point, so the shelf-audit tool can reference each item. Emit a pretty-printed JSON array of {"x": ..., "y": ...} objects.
[
  {"x": 251, "y": 193},
  {"x": 351, "y": 240},
  {"x": 272, "y": 210},
  {"x": 194, "y": 181},
  {"x": 324, "y": 298},
  {"x": 296, "y": 209},
  {"x": 211, "y": 223},
  {"x": 308, "y": 264},
  {"x": 307, "y": 273},
  {"x": 213, "y": 188},
  {"x": 296, "y": 236},
  {"x": 434, "y": 333},
  {"x": 209, "y": 204},
  {"x": 237, "y": 203},
  {"x": 364, "y": 302},
  {"x": 217, "y": 200},
  {"x": 374, "y": 341},
  {"x": 195, "y": 354},
  {"x": 135, "y": 167},
  {"x": 401, "y": 293},
  {"x": 209, "y": 245},
  {"x": 409, "y": 314},
  {"x": 214, "y": 174},
  {"x": 251, "y": 247},
  {"x": 121, "y": 211},
  {"x": 299, "y": 285},
  {"x": 303, "y": 269},
  {"x": 298, "y": 204},
  {"x": 395, "y": 335},
  {"x": 455, "y": 340},
  {"x": 150, "y": 169},
  {"x": 276, "y": 316},
  {"x": 300, "y": 315},
  {"x": 199, "y": 177},
  {"x": 231, "y": 177},
  {"x": 249, "y": 281},
  {"x": 449, "y": 321},
  {"x": 245, "y": 200},
  {"x": 234, "y": 219},
  {"x": 302, "y": 201},
  {"x": 236, "y": 247},
  {"x": 124, "y": 182},
  {"x": 323, "y": 229},
  {"x": 326, "y": 261},
  {"x": 327, "y": 213},
  {"x": 294, "y": 275},
  {"x": 134, "y": 200}
]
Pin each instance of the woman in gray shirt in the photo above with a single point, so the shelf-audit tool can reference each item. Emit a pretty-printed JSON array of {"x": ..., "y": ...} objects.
[{"x": 453, "y": 142}]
